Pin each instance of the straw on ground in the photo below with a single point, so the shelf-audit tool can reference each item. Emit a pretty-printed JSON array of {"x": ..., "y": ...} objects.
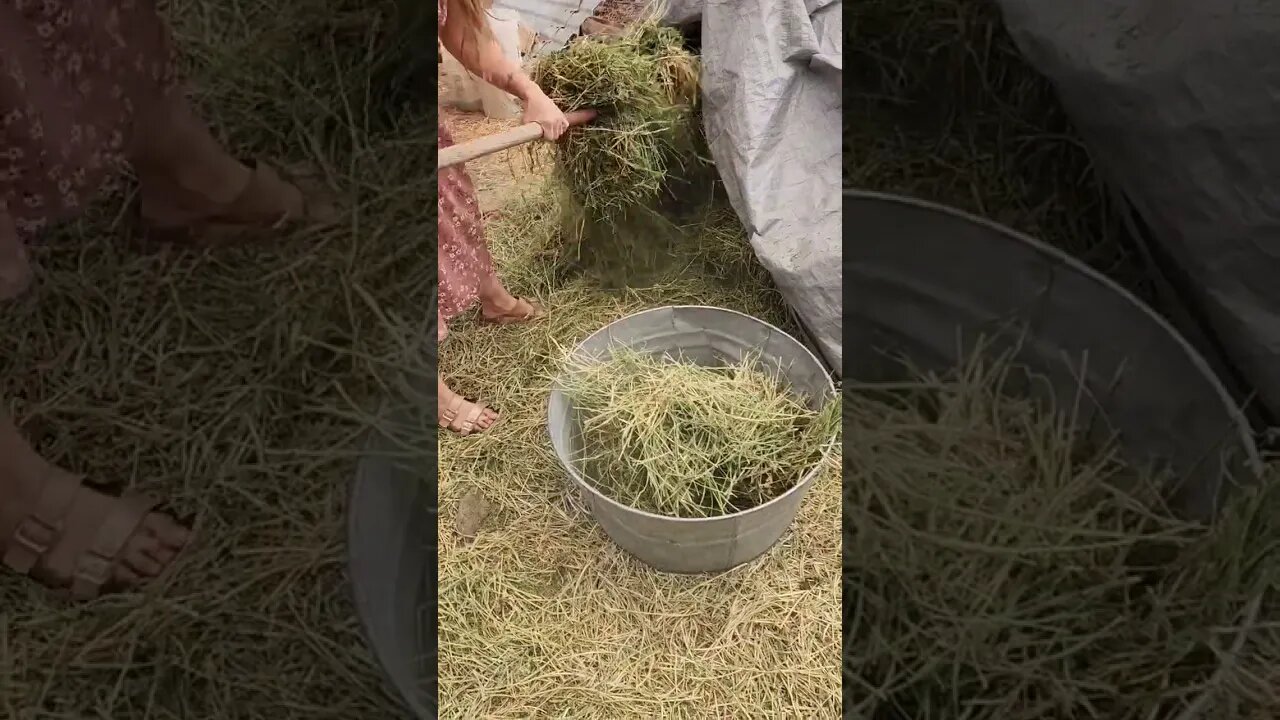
[
  {"x": 541, "y": 615},
  {"x": 235, "y": 381}
]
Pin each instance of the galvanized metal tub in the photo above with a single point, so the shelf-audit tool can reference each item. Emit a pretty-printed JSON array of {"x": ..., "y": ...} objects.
[
  {"x": 391, "y": 557},
  {"x": 704, "y": 335},
  {"x": 928, "y": 282}
]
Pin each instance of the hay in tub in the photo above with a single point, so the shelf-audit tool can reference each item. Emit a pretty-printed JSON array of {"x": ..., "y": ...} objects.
[
  {"x": 684, "y": 440},
  {"x": 998, "y": 565}
]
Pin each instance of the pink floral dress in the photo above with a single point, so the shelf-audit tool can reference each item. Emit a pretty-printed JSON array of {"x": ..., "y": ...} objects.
[
  {"x": 73, "y": 76},
  {"x": 464, "y": 262}
]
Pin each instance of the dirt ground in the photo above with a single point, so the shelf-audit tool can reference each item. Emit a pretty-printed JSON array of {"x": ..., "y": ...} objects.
[
  {"x": 621, "y": 12},
  {"x": 505, "y": 176}
]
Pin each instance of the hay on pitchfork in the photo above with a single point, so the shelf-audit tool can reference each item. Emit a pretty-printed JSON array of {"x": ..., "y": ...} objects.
[
  {"x": 684, "y": 440},
  {"x": 645, "y": 86},
  {"x": 1000, "y": 565},
  {"x": 630, "y": 178}
]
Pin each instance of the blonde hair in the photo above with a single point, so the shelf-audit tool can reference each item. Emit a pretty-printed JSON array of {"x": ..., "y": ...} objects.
[{"x": 472, "y": 16}]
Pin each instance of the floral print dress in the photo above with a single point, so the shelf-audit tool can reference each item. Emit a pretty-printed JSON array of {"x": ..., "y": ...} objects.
[
  {"x": 464, "y": 262},
  {"x": 73, "y": 76}
]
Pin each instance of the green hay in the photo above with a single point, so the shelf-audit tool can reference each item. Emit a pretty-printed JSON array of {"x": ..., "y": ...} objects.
[
  {"x": 645, "y": 86},
  {"x": 683, "y": 440},
  {"x": 645, "y": 249},
  {"x": 997, "y": 566},
  {"x": 631, "y": 176}
]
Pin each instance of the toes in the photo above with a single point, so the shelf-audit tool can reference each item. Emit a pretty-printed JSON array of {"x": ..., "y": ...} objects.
[
  {"x": 154, "y": 547},
  {"x": 142, "y": 543},
  {"x": 478, "y": 419},
  {"x": 138, "y": 559},
  {"x": 172, "y": 535},
  {"x": 485, "y": 419},
  {"x": 126, "y": 577}
]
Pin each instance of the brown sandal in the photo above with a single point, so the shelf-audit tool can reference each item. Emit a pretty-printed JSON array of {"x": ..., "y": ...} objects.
[
  {"x": 450, "y": 420},
  {"x": 513, "y": 316},
  {"x": 256, "y": 208},
  {"x": 31, "y": 537}
]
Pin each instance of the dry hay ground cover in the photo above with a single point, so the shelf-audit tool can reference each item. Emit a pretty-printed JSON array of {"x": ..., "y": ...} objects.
[
  {"x": 234, "y": 381},
  {"x": 540, "y": 614}
]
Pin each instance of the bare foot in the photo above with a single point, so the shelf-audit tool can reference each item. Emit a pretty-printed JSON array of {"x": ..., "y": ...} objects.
[
  {"x": 70, "y": 536},
  {"x": 461, "y": 415}
]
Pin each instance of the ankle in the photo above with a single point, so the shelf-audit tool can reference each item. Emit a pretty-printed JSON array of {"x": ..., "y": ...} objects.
[
  {"x": 444, "y": 395},
  {"x": 22, "y": 469}
]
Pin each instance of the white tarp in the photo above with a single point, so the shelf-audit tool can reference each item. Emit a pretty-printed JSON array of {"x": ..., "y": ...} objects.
[
  {"x": 1178, "y": 102},
  {"x": 771, "y": 92}
]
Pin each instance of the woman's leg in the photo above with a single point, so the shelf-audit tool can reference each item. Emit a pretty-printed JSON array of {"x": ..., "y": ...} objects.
[
  {"x": 182, "y": 170},
  {"x": 466, "y": 272},
  {"x": 186, "y": 177},
  {"x": 52, "y": 527},
  {"x": 455, "y": 412},
  {"x": 15, "y": 264},
  {"x": 68, "y": 535}
]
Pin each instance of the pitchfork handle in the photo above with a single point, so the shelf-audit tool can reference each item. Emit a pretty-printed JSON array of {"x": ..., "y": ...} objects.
[{"x": 527, "y": 133}]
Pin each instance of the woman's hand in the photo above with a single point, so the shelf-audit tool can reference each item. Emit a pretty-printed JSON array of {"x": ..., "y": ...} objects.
[{"x": 542, "y": 110}]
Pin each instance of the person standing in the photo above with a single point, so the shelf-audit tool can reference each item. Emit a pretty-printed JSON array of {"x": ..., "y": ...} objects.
[{"x": 466, "y": 271}]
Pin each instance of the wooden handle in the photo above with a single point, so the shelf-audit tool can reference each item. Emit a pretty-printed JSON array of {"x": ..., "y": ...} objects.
[{"x": 527, "y": 133}]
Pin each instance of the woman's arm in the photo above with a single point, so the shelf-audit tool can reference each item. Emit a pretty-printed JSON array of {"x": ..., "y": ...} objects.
[{"x": 483, "y": 56}]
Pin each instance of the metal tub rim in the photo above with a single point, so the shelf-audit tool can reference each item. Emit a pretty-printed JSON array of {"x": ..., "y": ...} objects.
[
  {"x": 370, "y": 487},
  {"x": 1252, "y": 462}
]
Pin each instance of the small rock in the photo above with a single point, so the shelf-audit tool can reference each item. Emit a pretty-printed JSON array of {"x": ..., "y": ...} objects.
[{"x": 472, "y": 511}]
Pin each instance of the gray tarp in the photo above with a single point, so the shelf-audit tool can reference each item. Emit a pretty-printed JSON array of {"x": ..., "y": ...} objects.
[
  {"x": 1179, "y": 104},
  {"x": 771, "y": 91}
]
